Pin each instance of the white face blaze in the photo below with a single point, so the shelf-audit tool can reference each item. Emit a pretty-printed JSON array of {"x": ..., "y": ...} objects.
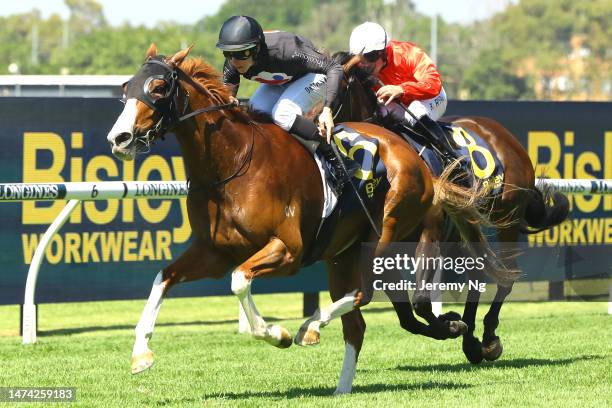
[{"x": 121, "y": 136}]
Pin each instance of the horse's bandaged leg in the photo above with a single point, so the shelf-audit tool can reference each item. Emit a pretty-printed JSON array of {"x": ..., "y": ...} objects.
[
  {"x": 142, "y": 357},
  {"x": 349, "y": 366},
  {"x": 310, "y": 330}
]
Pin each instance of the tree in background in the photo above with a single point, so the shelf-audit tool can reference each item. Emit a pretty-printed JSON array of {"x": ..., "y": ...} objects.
[
  {"x": 490, "y": 77},
  {"x": 528, "y": 49},
  {"x": 562, "y": 47}
]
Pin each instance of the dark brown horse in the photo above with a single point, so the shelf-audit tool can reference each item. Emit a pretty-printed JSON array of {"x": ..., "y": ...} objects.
[
  {"x": 520, "y": 207},
  {"x": 255, "y": 200}
]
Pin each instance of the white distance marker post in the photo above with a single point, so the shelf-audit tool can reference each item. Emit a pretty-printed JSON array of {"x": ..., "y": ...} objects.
[
  {"x": 29, "y": 308},
  {"x": 74, "y": 192}
]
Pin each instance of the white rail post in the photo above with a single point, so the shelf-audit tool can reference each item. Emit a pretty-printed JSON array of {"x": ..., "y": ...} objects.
[{"x": 29, "y": 308}]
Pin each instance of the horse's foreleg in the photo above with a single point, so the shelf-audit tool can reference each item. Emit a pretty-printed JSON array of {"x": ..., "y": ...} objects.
[
  {"x": 142, "y": 356},
  {"x": 197, "y": 262},
  {"x": 274, "y": 257}
]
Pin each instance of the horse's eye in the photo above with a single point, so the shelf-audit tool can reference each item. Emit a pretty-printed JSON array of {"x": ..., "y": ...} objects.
[{"x": 159, "y": 89}]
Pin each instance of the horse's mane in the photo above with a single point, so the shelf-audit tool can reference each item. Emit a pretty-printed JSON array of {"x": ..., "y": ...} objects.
[
  {"x": 347, "y": 60},
  {"x": 205, "y": 74}
]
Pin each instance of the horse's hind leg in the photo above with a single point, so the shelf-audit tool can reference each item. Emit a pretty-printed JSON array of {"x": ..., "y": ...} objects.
[
  {"x": 344, "y": 287},
  {"x": 472, "y": 348},
  {"x": 405, "y": 208},
  {"x": 491, "y": 344},
  {"x": 275, "y": 257},
  {"x": 195, "y": 263},
  {"x": 309, "y": 333},
  {"x": 429, "y": 249}
]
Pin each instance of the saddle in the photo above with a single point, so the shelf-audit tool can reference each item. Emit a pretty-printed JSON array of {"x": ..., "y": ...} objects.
[
  {"x": 370, "y": 181},
  {"x": 479, "y": 161}
]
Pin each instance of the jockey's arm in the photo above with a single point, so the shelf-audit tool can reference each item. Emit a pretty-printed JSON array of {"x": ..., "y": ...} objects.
[
  {"x": 231, "y": 79},
  {"x": 233, "y": 92},
  {"x": 427, "y": 83},
  {"x": 233, "y": 88},
  {"x": 313, "y": 61},
  {"x": 334, "y": 73}
]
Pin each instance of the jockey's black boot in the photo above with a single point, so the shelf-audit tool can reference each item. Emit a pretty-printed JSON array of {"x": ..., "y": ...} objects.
[
  {"x": 339, "y": 175},
  {"x": 433, "y": 129},
  {"x": 306, "y": 129}
]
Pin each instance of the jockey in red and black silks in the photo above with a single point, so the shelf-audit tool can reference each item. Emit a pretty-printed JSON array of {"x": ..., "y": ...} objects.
[{"x": 404, "y": 73}]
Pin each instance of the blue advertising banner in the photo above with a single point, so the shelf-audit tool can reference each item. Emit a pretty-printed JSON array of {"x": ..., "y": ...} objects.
[
  {"x": 108, "y": 249},
  {"x": 564, "y": 140},
  {"x": 113, "y": 249}
]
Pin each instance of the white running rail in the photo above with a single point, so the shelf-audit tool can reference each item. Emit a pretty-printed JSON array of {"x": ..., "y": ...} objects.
[{"x": 104, "y": 190}]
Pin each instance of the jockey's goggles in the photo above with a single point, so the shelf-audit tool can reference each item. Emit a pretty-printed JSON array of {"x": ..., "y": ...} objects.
[
  {"x": 240, "y": 55},
  {"x": 372, "y": 56}
]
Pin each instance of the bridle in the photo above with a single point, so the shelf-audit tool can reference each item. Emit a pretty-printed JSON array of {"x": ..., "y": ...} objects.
[
  {"x": 157, "y": 68},
  {"x": 351, "y": 80},
  {"x": 167, "y": 106}
]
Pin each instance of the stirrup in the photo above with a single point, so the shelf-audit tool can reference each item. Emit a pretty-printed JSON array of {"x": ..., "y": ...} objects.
[{"x": 338, "y": 177}]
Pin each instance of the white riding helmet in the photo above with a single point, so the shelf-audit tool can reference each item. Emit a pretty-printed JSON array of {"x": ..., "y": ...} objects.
[{"x": 367, "y": 37}]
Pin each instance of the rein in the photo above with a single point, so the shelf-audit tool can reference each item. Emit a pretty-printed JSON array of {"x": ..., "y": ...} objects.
[
  {"x": 167, "y": 107},
  {"x": 204, "y": 110}
]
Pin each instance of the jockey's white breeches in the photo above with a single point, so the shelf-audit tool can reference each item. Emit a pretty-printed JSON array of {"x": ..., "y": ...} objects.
[
  {"x": 434, "y": 108},
  {"x": 305, "y": 96}
]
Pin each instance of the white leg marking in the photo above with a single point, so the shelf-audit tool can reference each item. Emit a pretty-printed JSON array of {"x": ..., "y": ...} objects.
[
  {"x": 349, "y": 366},
  {"x": 144, "y": 328},
  {"x": 259, "y": 329},
  {"x": 322, "y": 317},
  {"x": 338, "y": 308}
]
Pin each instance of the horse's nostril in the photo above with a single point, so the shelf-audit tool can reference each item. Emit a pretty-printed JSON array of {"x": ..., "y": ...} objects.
[{"x": 122, "y": 138}]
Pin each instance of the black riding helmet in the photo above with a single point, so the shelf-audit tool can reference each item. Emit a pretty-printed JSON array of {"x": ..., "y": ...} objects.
[{"x": 240, "y": 33}]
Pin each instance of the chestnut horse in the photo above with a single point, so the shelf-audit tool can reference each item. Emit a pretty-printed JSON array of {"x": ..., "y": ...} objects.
[
  {"x": 519, "y": 208},
  {"x": 255, "y": 200}
]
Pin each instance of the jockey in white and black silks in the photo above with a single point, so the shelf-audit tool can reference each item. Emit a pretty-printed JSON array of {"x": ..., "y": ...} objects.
[
  {"x": 407, "y": 79},
  {"x": 296, "y": 80}
]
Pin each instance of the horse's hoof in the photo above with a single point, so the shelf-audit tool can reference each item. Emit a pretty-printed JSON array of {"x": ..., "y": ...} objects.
[
  {"x": 472, "y": 348},
  {"x": 493, "y": 349},
  {"x": 279, "y": 337},
  {"x": 308, "y": 337},
  {"x": 142, "y": 362},
  {"x": 449, "y": 316},
  {"x": 457, "y": 328}
]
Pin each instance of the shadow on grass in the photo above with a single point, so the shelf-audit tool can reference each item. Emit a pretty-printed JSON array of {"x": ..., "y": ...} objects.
[
  {"x": 516, "y": 363},
  {"x": 86, "y": 329},
  {"x": 328, "y": 391}
]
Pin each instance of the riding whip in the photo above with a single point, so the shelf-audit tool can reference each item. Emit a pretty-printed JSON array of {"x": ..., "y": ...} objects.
[{"x": 356, "y": 191}]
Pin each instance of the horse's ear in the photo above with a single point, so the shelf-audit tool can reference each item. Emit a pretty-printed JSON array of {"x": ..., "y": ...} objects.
[
  {"x": 178, "y": 58},
  {"x": 152, "y": 51}
]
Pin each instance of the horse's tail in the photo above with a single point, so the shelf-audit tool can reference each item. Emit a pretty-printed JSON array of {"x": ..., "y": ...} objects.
[
  {"x": 545, "y": 209},
  {"x": 464, "y": 207}
]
